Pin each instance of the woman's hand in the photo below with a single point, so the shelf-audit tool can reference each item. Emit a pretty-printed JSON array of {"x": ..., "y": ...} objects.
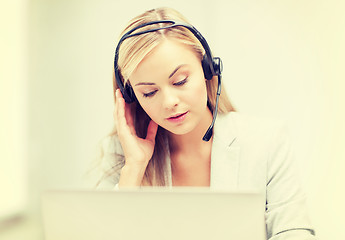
[{"x": 137, "y": 151}]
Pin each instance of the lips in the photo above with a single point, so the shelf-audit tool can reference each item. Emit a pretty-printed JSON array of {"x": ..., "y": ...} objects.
[{"x": 177, "y": 117}]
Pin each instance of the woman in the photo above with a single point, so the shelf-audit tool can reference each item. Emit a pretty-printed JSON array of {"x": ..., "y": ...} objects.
[{"x": 159, "y": 138}]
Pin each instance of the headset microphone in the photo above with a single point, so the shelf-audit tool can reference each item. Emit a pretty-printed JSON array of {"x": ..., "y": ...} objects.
[{"x": 211, "y": 66}]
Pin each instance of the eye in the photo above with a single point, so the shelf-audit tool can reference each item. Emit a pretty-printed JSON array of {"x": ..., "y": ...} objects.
[
  {"x": 180, "y": 83},
  {"x": 149, "y": 94}
]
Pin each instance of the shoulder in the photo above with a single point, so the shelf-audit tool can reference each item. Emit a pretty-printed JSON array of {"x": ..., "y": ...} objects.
[
  {"x": 111, "y": 152},
  {"x": 111, "y": 144},
  {"x": 248, "y": 128},
  {"x": 264, "y": 143},
  {"x": 111, "y": 160}
]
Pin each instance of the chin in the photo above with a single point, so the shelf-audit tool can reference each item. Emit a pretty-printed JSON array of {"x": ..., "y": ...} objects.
[
  {"x": 179, "y": 133},
  {"x": 182, "y": 129}
]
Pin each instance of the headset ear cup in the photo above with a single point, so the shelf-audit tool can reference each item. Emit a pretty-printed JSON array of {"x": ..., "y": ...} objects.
[
  {"x": 206, "y": 68},
  {"x": 128, "y": 94},
  {"x": 126, "y": 90}
]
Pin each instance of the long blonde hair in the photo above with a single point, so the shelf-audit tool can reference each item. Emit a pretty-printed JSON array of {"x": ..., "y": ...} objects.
[{"x": 132, "y": 51}]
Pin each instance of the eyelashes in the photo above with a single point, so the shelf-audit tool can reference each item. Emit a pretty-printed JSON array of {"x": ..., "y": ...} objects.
[
  {"x": 152, "y": 93},
  {"x": 180, "y": 82}
]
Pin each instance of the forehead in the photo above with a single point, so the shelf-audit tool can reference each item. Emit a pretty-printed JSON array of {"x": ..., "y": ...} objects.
[{"x": 163, "y": 59}]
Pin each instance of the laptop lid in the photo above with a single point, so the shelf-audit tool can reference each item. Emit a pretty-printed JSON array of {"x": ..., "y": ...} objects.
[{"x": 153, "y": 214}]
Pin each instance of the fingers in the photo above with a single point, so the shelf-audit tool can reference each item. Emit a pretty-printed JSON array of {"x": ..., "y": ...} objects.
[
  {"x": 151, "y": 131},
  {"x": 129, "y": 118},
  {"x": 125, "y": 111},
  {"x": 120, "y": 116},
  {"x": 119, "y": 108}
]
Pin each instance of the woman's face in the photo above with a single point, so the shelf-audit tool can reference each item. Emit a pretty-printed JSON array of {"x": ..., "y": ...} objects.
[{"x": 170, "y": 86}]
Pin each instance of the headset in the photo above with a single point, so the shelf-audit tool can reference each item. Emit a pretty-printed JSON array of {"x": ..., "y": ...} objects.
[{"x": 212, "y": 66}]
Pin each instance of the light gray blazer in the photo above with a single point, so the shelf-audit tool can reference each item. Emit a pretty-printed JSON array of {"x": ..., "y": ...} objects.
[{"x": 254, "y": 154}]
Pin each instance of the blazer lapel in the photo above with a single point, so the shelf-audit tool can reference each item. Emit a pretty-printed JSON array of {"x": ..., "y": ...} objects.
[{"x": 225, "y": 154}]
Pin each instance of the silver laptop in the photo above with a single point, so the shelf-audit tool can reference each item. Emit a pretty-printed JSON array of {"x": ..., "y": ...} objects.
[{"x": 154, "y": 214}]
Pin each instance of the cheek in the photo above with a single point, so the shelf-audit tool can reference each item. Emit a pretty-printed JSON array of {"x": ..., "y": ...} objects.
[
  {"x": 198, "y": 94},
  {"x": 199, "y": 88},
  {"x": 151, "y": 110},
  {"x": 150, "y": 107}
]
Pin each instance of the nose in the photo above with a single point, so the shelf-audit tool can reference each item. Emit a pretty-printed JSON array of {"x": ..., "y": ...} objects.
[{"x": 170, "y": 99}]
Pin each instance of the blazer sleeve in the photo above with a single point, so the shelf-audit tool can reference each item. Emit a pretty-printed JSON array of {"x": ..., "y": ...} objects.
[{"x": 286, "y": 210}]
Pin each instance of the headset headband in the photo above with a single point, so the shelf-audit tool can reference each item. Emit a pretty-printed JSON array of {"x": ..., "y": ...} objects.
[
  {"x": 174, "y": 23},
  {"x": 208, "y": 55}
]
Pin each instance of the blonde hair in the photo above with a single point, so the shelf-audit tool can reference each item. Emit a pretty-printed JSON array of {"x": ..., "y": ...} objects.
[{"x": 131, "y": 52}]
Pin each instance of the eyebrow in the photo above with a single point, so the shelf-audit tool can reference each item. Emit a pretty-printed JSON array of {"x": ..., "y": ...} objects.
[
  {"x": 144, "y": 83},
  {"x": 177, "y": 68},
  {"x": 172, "y": 74}
]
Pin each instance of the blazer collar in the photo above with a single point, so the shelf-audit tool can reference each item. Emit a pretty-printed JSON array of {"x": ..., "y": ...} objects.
[{"x": 225, "y": 153}]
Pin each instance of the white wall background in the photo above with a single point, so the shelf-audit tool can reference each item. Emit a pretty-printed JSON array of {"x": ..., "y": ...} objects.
[
  {"x": 13, "y": 95},
  {"x": 282, "y": 58}
]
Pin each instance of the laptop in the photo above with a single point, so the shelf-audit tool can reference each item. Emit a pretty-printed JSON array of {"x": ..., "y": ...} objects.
[{"x": 154, "y": 214}]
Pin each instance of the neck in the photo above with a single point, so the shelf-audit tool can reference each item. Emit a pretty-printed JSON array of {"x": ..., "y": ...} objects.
[{"x": 191, "y": 141}]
